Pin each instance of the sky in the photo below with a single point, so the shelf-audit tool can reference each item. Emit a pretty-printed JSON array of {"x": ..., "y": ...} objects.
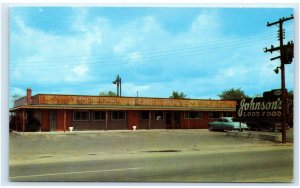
[{"x": 200, "y": 51}]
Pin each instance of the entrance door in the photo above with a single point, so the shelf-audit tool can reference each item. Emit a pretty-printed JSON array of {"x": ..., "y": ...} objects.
[
  {"x": 176, "y": 120},
  {"x": 169, "y": 120},
  {"x": 52, "y": 120},
  {"x": 173, "y": 120},
  {"x": 133, "y": 119}
]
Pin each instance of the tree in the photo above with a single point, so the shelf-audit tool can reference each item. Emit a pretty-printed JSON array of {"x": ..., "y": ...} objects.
[
  {"x": 33, "y": 125},
  {"x": 232, "y": 94},
  {"x": 108, "y": 93},
  {"x": 16, "y": 96},
  {"x": 177, "y": 95},
  {"x": 291, "y": 93}
]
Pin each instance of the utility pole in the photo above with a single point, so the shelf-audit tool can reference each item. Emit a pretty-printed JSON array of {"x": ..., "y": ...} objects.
[
  {"x": 286, "y": 57},
  {"x": 118, "y": 81}
]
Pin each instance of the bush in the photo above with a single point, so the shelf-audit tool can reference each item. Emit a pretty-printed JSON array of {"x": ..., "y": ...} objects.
[{"x": 33, "y": 125}]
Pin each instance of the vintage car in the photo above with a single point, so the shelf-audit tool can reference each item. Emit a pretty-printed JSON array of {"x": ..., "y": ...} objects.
[{"x": 226, "y": 124}]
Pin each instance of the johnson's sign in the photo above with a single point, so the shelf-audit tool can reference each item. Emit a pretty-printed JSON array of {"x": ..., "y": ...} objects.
[{"x": 259, "y": 108}]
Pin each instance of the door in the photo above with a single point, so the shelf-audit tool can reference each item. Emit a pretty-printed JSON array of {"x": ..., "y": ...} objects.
[
  {"x": 52, "y": 120},
  {"x": 173, "y": 120},
  {"x": 133, "y": 119},
  {"x": 169, "y": 124},
  {"x": 177, "y": 120}
]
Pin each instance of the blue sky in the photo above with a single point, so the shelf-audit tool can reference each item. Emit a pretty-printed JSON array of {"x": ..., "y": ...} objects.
[{"x": 155, "y": 50}]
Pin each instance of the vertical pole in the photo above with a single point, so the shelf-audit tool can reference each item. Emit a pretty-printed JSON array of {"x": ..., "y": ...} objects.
[
  {"x": 117, "y": 88},
  {"x": 23, "y": 121},
  {"x": 16, "y": 123},
  {"x": 173, "y": 119},
  {"x": 149, "y": 122},
  {"x": 106, "y": 120},
  {"x": 188, "y": 119},
  {"x": 65, "y": 120},
  {"x": 120, "y": 87},
  {"x": 283, "y": 61},
  {"x": 283, "y": 122}
]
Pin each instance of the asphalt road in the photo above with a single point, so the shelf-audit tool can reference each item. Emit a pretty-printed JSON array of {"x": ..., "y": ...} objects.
[
  {"x": 160, "y": 156},
  {"x": 247, "y": 166}
]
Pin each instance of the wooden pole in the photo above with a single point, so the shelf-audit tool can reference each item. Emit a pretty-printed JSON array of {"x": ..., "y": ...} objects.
[
  {"x": 106, "y": 120},
  {"x": 149, "y": 124},
  {"x": 23, "y": 121},
  {"x": 173, "y": 119},
  {"x": 65, "y": 120}
]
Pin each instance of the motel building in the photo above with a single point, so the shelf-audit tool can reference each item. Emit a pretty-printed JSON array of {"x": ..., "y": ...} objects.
[{"x": 55, "y": 112}]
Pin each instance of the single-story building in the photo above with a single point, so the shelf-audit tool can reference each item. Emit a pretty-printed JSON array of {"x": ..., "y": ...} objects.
[{"x": 55, "y": 112}]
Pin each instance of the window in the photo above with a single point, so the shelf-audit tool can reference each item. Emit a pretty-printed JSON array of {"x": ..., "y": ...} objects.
[
  {"x": 144, "y": 115},
  {"x": 99, "y": 115},
  {"x": 193, "y": 115},
  {"x": 227, "y": 114},
  {"x": 158, "y": 115},
  {"x": 81, "y": 115},
  {"x": 118, "y": 115},
  {"x": 214, "y": 114}
]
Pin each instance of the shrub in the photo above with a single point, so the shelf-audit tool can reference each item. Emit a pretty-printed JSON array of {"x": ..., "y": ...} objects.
[{"x": 33, "y": 125}]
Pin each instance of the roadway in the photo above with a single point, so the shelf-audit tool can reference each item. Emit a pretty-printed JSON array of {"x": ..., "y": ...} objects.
[
  {"x": 147, "y": 156},
  {"x": 268, "y": 164}
]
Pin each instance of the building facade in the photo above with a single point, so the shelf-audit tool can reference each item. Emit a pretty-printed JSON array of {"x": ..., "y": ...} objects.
[{"x": 59, "y": 112}]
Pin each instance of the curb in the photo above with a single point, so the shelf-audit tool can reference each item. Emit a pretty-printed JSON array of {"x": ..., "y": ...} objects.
[
  {"x": 88, "y": 132},
  {"x": 267, "y": 137}
]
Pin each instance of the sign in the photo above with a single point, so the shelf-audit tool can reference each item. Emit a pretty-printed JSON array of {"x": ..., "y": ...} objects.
[{"x": 259, "y": 108}]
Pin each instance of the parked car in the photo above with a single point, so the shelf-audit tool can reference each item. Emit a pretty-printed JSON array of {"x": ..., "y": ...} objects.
[{"x": 226, "y": 124}]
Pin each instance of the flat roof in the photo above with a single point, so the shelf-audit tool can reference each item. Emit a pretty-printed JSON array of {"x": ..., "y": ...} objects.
[
  {"x": 53, "y": 101},
  {"x": 121, "y": 107}
]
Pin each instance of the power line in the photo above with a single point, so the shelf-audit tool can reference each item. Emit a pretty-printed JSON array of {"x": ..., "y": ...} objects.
[
  {"x": 151, "y": 56},
  {"x": 176, "y": 47}
]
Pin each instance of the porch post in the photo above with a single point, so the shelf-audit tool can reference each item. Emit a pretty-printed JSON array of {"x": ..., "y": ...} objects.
[
  {"x": 16, "y": 123},
  {"x": 149, "y": 122},
  {"x": 173, "y": 119},
  {"x": 65, "y": 120},
  {"x": 23, "y": 121},
  {"x": 106, "y": 120}
]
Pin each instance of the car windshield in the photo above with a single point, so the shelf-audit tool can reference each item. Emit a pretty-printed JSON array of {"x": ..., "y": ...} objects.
[{"x": 227, "y": 119}]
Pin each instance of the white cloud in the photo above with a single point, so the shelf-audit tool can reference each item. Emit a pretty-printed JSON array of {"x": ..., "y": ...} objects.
[
  {"x": 134, "y": 56},
  {"x": 189, "y": 61},
  {"x": 124, "y": 45},
  {"x": 80, "y": 15},
  {"x": 80, "y": 70},
  {"x": 44, "y": 59},
  {"x": 150, "y": 24},
  {"x": 205, "y": 24}
]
